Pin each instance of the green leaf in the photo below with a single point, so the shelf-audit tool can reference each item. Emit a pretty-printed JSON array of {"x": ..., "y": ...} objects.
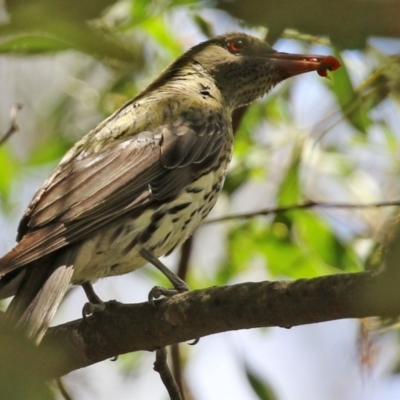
[
  {"x": 205, "y": 26},
  {"x": 139, "y": 10},
  {"x": 252, "y": 117},
  {"x": 129, "y": 363},
  {"x": 289, "y": 190},
  {"x": 175, "y": 3},
  {"x": 52, "y": 150},
  {"x": 32, "y": 45},
  {"x": 277, "y": 109},
  {"x": 261, "y": 388},
  {"x": 315, "y": 234},
  {"x": 354, "y": 107},
  {"x": 285, "y": 258},
  {"x": 156, "y": 27},
  {"x": 236, "y": 177},
  {"x": 298, "y": 244},
  {"x": 9, "y": 166},
  {"x": 241, "y": 248}
]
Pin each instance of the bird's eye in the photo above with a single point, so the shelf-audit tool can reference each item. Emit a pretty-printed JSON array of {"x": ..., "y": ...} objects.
[{"x": 235, "y": 46}]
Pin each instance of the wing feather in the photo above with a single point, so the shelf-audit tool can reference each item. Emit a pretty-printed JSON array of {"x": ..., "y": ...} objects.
[{"x": 93, "y": 191}]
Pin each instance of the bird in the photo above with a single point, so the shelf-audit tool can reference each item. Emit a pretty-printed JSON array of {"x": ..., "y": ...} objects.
[{"x": 138, "y": 184}]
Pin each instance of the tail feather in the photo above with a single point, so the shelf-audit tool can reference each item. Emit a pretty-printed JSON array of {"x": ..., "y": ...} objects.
[
  {"x": 41, "y": 292},
  {"x": 9, "y": 283}
]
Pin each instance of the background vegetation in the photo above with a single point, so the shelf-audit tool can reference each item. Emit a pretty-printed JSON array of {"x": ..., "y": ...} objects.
[{"x": 313, "y": 140}]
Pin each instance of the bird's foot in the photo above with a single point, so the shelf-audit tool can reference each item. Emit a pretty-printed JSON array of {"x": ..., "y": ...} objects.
[
  {"x": 91, "y": 308},
  {"x": 159, "y": 291},
  {"x": 94, "y": 305},
  {"x": 179, "y": 286}
]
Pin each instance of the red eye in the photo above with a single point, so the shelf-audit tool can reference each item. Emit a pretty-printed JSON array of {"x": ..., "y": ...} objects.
[{"x": 235, "y": 46}]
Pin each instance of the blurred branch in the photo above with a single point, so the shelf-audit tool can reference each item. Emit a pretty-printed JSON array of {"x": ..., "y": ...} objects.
[
  {"x": 308, "y": 204},
  {"x": 38, "y": 26},
  {"x": 311, "y": 39},
  {"x": 186, "y": 251},
  {"x": 183, "y": 266},
  {"x": 125, "y": 328},
  {"x": 13, "y": 123},
  {"x": 177, "y": 368},
  {"x": 333, "y": 18},
  {"x": 161, "y": 366},
  {"x": 63, "y": 391}
]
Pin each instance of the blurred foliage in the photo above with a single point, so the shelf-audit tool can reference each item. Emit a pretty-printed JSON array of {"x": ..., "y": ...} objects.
[
  {"x": 23, "y": 367},
  {"x": 349, "y": 23},
  {"x": 128, "y": 42},
  {"x": 8, "y": 162},
  {"x": 259, "y": 386}
]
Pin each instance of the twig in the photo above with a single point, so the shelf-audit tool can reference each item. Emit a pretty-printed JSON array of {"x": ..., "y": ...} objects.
[
  {"x": 63, "y": 390},
  {"x": 161, "y": 366},
  {"x": 373, "y": 83},
  {"x": 293, "y": 34},
  {"x": 308, "y": 204},
  {"x": 177, "y": 367},
  {"x": 13, "y": 122},
  {"x": 183, "y": 266}
]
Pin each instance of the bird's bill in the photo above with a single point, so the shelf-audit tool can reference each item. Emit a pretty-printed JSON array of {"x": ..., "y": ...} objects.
[{"x": 296, "y": 64}]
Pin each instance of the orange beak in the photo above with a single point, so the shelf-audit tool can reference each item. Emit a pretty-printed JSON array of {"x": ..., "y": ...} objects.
[{"x": 296, "y": 64}]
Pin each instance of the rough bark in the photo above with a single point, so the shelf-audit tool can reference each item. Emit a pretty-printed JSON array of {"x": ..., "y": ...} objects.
[{"x": 124, "y": 328}]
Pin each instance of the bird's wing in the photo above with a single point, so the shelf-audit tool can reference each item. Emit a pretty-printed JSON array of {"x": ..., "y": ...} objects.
[{"x": 92, "y": 191}]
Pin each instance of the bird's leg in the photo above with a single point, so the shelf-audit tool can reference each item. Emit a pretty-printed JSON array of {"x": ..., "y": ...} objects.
[
  {"x": 180, "y": 285},
  {"x": 158, "y": 291},
  {"x": 95, "y": 304}
]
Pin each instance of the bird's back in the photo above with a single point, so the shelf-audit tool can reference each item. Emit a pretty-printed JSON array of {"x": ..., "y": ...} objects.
[{"x": 152, "y": 174}]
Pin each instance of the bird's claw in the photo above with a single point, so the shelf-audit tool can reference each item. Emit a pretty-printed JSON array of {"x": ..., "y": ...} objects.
[
  {"x": 92, "y": 308},
  {"x": 159, "y": 291}
]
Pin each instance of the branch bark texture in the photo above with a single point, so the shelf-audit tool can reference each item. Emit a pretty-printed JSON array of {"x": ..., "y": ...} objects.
[{"x": 124, "y": 328}]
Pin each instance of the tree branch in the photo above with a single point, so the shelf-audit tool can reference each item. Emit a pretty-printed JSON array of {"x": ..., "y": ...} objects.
[
  {"x": 307, "y": 204},
  {"x": 161, "y": 366},
  {"x": 13, "y": 123},
  {"x": 125, "y": 328}
]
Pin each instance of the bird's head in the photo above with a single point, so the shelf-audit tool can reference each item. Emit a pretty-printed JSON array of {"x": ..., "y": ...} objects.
[
  {"x": 241, "y": 66},
  {"x": 244, "y": 67}
]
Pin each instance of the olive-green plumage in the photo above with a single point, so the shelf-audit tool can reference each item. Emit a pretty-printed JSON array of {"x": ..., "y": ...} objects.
[{"x": 140, "y": 183}]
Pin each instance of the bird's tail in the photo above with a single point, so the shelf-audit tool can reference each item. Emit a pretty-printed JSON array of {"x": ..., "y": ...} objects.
[{"x": 41, "y": 292}]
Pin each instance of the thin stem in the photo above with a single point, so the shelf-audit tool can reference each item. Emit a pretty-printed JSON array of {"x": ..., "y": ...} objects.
[
  {"x": 306, "y": 205},
  {"x": 161, "y": 366},
  {"x": 13, "y": 123}
]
